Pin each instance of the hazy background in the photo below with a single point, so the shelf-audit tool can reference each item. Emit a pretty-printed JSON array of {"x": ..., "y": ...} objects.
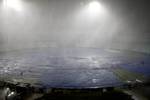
[{"x": 123, "y": 24}]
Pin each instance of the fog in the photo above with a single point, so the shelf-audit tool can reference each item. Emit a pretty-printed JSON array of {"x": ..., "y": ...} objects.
[{"x": 121, "y": 24}]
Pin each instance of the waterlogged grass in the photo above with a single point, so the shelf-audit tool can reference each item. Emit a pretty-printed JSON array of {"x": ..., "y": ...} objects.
[{"x": 126, "y": 75}]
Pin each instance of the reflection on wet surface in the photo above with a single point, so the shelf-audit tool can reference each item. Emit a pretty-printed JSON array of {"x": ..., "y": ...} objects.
[{"x": 73, "y": 68}]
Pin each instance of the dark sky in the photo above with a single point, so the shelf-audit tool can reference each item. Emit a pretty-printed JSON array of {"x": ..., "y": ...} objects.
[
  {"x": 126, "y": 24},
  {"x": 135, "y": 12}
]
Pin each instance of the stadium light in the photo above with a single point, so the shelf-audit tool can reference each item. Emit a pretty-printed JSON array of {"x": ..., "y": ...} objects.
[
  {"x": 94, "y": 7},
  {"x": 13, "y": 4}
]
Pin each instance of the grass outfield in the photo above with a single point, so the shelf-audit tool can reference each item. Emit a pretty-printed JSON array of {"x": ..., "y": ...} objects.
[{"x": 127, "y": 76}]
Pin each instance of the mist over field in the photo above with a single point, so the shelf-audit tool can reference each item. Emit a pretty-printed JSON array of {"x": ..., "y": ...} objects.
[{"x": 122, "y": 24}]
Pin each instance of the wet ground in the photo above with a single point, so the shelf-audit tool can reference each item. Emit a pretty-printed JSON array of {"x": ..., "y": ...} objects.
[
  {"x": 78, "y": 68},
  {"x": 74, "y": 67}
]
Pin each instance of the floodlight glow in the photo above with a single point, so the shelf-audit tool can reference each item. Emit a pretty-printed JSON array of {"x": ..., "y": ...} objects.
[
  {"x": 94, "y": 7},
  {"x": 14, "y": 4}
]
